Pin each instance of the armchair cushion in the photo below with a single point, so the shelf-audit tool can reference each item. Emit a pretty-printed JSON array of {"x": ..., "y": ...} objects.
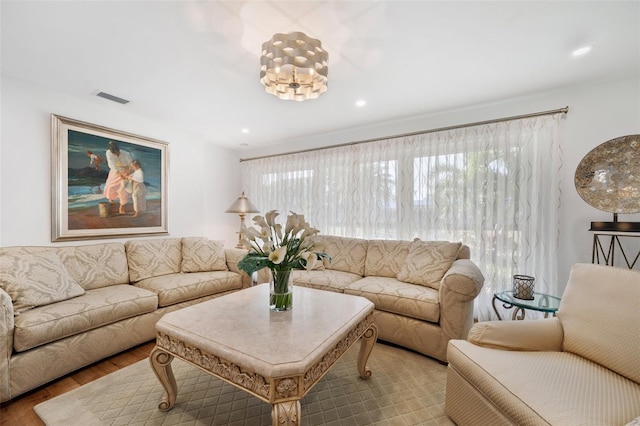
[
  {"x": 539, "y": 335},
  {"x": 537, "y": 387},
  {"x": 600, "y": 315}
]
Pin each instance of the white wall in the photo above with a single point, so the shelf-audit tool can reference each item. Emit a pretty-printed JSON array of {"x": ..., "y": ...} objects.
[
  {"x": 203, "y": 179},
  {"x": 597, "y": 113}
]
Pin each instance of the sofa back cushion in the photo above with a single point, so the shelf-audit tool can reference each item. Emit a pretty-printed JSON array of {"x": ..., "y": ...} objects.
[
  {"x": 202, "y": 255},
  {"x": 464, "y": 252},
  {"x": 385, "y": 258},
  {"x": 600, "y": 315},
  {"x": 96, "y": 265},
  {"x": 347, "y": 254},
  {"x": 35, "y": 278},
  {"x": 151, "y": 258},
  {"x": 428, "y": 261}
]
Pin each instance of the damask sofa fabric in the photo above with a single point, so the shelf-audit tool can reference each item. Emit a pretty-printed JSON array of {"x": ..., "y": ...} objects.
[
  {"x": 190, "y": 285},
  {"x": 202, "y": 255},
  {"x": 94, "y": 309},
  {"x": 422, "y": 314},
  {"x": 428, "y": 261},
  {"x": 26, "y": 277},
  {"x": 580, "y": 367},
  {"x": 152, "y": 258},
  {"x": 96, "y": 265},
  {"x": 106, "y": 313}
]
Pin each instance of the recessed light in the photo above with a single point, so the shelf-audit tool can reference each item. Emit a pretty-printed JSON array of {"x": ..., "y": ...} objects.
[
  {"x": 244, "y": 144},
  {"x": 581, "y": 51},
  {"x": 361, "y": 103},
  {"x": 245, "y": 130}
]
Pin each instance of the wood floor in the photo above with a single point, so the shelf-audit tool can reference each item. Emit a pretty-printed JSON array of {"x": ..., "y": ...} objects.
[{"x": 19, "y": 411}]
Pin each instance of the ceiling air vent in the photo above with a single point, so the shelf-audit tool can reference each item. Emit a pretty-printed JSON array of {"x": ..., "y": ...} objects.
[{"x": 112, "y": 98}]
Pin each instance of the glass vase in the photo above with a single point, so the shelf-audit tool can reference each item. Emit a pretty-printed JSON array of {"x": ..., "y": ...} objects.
[{"x": 281, "y": 288}]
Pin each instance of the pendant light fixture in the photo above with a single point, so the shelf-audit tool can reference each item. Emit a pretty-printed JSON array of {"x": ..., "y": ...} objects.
[{"x": 294, "y": 66}]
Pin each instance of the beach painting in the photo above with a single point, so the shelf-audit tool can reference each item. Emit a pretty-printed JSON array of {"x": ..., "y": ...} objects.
[{"x": 106, "y": 183}]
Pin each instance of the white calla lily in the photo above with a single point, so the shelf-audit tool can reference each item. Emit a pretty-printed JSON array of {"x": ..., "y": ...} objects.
[
  {"x": 310, "y": 259},
  {"x": 278, "y": 255},
  {"x": 270, "y": 217},
  {"x": 270, "y": 246}
]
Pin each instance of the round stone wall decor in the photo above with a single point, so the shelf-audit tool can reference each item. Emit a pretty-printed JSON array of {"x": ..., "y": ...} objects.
[{"x": 608, "y": 177}]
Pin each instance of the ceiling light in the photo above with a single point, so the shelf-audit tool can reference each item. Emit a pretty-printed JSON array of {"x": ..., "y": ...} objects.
[
  {"x": 245, "y": 130},
  {"x": 361, "y": 103},
  {"x": 294, "y": 67},
  {"x": 581, "y": 51}
]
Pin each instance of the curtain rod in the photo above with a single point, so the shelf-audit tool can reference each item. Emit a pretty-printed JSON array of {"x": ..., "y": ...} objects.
[{"x": 564, "y": 110}]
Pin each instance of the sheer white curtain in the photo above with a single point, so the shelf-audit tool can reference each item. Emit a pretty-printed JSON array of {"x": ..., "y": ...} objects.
[{"x": 494, "y": 187}]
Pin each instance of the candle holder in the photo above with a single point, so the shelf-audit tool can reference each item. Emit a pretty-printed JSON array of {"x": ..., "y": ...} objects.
[{"x": 523, "y": 287}]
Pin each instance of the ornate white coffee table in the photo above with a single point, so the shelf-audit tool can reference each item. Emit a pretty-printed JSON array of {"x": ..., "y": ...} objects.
[{"x": 275, "y": 356}]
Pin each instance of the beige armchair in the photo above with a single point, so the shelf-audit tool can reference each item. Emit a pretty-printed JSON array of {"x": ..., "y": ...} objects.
[{"x": 579, "y": 368}]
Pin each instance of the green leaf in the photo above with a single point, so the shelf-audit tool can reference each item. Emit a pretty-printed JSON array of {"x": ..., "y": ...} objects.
[{"x": 253, "y": 262}]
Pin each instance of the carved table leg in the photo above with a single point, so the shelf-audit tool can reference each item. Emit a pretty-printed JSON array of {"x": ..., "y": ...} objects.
[
  {"x": 161, "y": 365},
  {"x": 366, "y": 345},
  {"x": 286, "y": 413}
]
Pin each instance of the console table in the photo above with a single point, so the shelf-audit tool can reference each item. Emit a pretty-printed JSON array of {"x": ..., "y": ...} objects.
[{"x": 605, "y": 253}]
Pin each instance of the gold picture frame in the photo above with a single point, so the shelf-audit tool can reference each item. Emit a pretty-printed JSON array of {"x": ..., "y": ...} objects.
[{"x": 106, "y": 183}]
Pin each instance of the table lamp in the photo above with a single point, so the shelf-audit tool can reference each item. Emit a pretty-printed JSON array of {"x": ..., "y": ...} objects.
[{"x": 242, "y": 206}]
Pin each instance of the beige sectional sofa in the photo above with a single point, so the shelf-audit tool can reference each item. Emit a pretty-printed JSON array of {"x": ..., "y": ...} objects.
[
  {"x": 62, "y": 308},
  {"x": 579, "y": 368},
  {"x": 423, "y": 291}
]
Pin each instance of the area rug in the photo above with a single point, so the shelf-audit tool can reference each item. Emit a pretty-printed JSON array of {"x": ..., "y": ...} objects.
[{"x": 405, "y": 389}]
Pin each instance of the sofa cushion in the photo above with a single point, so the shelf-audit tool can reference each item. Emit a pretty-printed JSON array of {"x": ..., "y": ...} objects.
[
  {"x": 202, "y": 255},
  {"x": 94, "y": 309},
  {"x": 151, "y": 258},
  {"x": 558, "y": 388},
  {"x": 385, "y": 258},
  {"x": 35, "y": 279},
  {"x": 96, "y": 265},
  {"x": 592, "y": 294},
  {"x": 176, "y": 288},
  {"x": 391, "y": 295},
  {"x": 347, "y": 254},
  {"x": 324, "y": 280},
  {"x": 428, "y": 261}
]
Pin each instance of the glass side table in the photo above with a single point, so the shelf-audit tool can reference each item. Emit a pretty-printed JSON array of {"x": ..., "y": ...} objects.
[{"x": 541, "y": 302}]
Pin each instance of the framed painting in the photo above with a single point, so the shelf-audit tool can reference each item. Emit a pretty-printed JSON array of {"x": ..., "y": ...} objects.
[{"x": 106, "y": 183}]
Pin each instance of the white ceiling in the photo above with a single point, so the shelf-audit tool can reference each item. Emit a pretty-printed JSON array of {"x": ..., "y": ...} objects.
[{"x": 196, "y": 63}]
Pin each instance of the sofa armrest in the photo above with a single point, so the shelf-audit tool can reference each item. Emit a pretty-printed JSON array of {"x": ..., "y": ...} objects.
[
  {"x": 233, "y": 256},
  {"x": 458, "y": 289},
  {"x": 464, "y": 278},
  {"x": 6, "y": 342},
  {"x": 534, "y": 335}
]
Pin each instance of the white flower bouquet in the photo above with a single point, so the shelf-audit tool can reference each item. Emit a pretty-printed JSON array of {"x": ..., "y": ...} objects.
[{"x": 281, "y": 251}]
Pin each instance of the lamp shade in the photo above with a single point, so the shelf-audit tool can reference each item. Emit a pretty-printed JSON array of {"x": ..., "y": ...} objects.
[{"x": 242, "y": 205}]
